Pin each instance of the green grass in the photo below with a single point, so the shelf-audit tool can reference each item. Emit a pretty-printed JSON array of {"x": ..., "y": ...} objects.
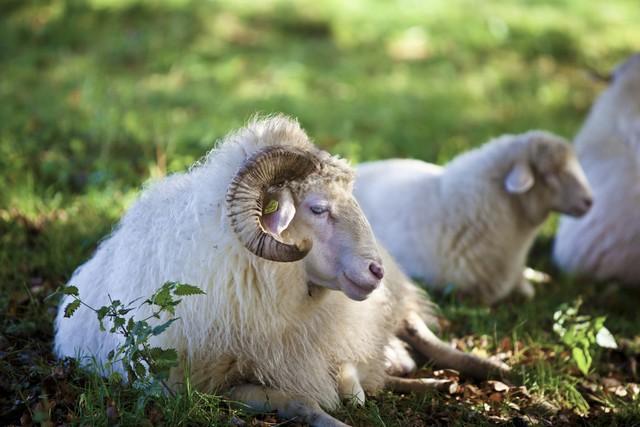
[{"x": 99, "y": 96}]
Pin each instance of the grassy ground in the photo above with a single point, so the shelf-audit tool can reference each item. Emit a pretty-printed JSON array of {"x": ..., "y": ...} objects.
[{"x": 99, "y": 96}]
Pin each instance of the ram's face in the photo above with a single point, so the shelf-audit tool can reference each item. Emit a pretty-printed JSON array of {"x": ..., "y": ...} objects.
[
  {"x": 343, "y": 255},
  {"x": 292, "y": 205}
]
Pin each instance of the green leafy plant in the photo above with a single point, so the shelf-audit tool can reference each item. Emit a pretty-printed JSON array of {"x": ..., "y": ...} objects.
[
  {"x": 147, "y": 367},
  {"x": 581, "y": 333}
]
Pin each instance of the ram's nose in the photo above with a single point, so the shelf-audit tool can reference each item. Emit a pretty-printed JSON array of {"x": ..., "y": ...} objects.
[{"x": 377, "y": 270}]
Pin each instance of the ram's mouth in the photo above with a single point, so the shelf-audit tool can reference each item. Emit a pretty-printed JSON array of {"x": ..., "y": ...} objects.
[
  {"x": 356, "y": 290},
  {"x": 578, "y": 211}
]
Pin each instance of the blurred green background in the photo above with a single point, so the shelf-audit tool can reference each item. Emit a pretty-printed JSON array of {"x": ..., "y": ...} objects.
[
  {"x": 98, "y": 96},
  {"x": 103, "y": 94}
]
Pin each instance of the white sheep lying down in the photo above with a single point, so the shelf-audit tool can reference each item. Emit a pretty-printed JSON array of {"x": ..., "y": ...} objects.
[
  {"x": 472, "y": 223},
  {"x": 605, "y": 243},
  {"x": 300, "y": 302}
]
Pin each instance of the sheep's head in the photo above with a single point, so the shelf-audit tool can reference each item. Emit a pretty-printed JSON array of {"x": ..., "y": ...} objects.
[
  {"x": 548, "y": 176},
  {"x": 287, "y": 204}
]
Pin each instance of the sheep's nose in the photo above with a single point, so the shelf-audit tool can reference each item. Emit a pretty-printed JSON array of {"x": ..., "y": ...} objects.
[
  {"x": 377, "y": 270},
  {"x": 588, "y": 202}
]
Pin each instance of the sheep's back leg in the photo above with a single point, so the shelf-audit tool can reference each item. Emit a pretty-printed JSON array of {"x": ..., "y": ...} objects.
[
  {"x": 416, "y": 333},
  {"x": 529, "y": 277},
  {"x": 264, "y": 399},
  {"x": 419, "y": 385}
]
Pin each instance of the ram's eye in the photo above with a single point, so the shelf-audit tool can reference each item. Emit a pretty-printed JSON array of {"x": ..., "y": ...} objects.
[{"x": 319, "y": 210}]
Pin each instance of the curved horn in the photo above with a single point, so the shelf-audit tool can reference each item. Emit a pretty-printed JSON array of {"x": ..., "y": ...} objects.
[{"x": 245, "y": 197}]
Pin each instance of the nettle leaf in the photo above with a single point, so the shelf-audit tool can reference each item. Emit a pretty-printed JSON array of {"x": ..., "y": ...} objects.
[
  {"x": 117, "y": 323},
  {"x": 559, "y": 329},
  {"x": 162, "y": 297},
  {"x": 183, "y": 289},
  {"x": 71, "y": 308},
  {"x": 163, "y": 327},
  {"x": 141, "y": 330},
  {"x": 70, "y": 290},
  {"x": 569, "y": 337},
  {"x": 115, "y": 377},
  {"x": 580, "y": 333},
  {"x": 129, "y": 341},
  {"x": 145, "y": 367},
  {"x": 124, "y": 311},
  {"x": 102, "y": 312},
  {"x": 582, "y": 358},
  {"x": 163, "y": 356},
  {"x": 598, "y": 323},
  {"x": 141, "y": 370},
  {"x": 162, "y": 361}
]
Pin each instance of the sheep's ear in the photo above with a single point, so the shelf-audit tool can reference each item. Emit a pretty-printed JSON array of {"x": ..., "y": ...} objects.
[
  {"x": 278, "y": 211},
  {"x": 520, "y": 179}
]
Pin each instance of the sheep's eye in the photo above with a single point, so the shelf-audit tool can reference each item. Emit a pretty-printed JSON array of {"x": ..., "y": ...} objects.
[{"x": 319, "y": 210}]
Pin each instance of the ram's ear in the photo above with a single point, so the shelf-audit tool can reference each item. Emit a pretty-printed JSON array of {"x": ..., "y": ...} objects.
[
  {"x": 278, "y": 211},
  {"x": 519, "y": 179}
]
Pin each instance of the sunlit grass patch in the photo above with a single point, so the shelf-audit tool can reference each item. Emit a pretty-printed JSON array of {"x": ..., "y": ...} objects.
[{"x": 100, "y": 96}]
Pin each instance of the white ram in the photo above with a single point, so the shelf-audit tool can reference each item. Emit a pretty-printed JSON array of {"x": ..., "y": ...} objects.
[{"x": 268, "y": 227}]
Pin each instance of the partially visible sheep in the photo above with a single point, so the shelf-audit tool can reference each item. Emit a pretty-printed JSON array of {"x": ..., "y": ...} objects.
[
  {"x": 471, "y": 224},
  {"x": 268, "y": 227},
  {"x": 605, "y": 243}
]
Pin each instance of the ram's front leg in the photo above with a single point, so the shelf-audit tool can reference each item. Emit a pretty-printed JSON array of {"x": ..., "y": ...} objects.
[
  {"x": 265, "y": 399},
  {"x": 349, "y": 385}
]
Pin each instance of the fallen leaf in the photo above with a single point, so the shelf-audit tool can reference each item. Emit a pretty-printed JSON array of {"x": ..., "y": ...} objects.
[
  {"x": 513, "y": 405},
  {"x": 471, "y": 391},
  {"x": 621, "y": 391},
  {"x": 495, "y": 397},
  {"x": 522, "y": 390},
  {"x": 450, "y": 374},
  {"x": 610, "y": 382},
  {"x": 498, "y": 385}
]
